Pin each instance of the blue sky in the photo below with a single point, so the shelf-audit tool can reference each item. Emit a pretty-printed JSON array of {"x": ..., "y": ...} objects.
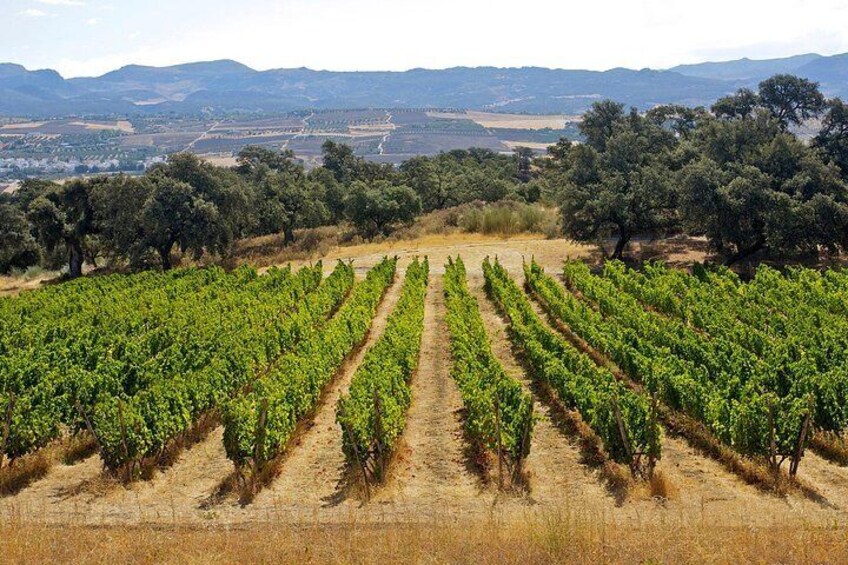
[{"x": 90, "y": 37}]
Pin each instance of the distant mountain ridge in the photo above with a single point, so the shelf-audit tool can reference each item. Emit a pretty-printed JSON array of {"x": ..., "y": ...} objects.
[
  {"x": 228, "y": 86},
  {"x": 747, "y": 69}
]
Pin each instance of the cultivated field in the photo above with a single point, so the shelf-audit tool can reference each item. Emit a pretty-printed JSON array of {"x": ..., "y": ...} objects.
[
  {"x": 510, "y": 121},
  {"x": 440, "y": 500},
  {"x": 387, "y": 136}
]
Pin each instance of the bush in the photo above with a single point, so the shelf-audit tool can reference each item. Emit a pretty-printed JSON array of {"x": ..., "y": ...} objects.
[{"x": 510, "y": 218}]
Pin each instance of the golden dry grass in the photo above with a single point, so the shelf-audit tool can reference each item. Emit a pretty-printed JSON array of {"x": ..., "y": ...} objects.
[
  {"x": 219, "y": 159},
  {"x": 513, "y": 121},
  {"x": 120, "y": 125},
  {"x": 529, "y": 144},
  {"x": 19, "y": 474},
  {"x": 12, "y": 285},
  {"x": 553, "y": 538},
  {"x": 23, "y": 125}
]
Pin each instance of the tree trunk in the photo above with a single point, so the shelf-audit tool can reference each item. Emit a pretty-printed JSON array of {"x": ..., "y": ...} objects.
[
  {"x": 75, "y": 259},
  {"x": 744, "y": 253},
  {"x": 165, "y": 257},
  {"x": 622, "y": 242},
  {"x": 288, "y": 236}
]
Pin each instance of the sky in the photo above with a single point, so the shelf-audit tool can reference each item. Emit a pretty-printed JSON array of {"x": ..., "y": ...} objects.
[{"x": 91, "y": 37}]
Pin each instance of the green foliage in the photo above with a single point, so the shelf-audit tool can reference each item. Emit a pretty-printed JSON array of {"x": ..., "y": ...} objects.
[
  {"x": 18, "y": 249},
  {"x": 600, "y": 122},
  {"x": 372, "y": 414},
  {"x": 622, "y": 189},
  {"x": 579, "y": 383},
  {"x": 740, "y": 105},
  {"x": 833, "y": 137},
  {"x": 724, "y": 353},
  {"x": 494, "y": 402},
  {"x": 759, "y": 188},
  {"x": 62, "y": 216},
  {"x": 374, "y": 208},
  {"x": 509, "y": 218},
  {"x": 101, "y": 342},
  {"x": 140, "y": 426},
  {"x": 258, "y": 425},
  {"x": 791, "y": 100}
]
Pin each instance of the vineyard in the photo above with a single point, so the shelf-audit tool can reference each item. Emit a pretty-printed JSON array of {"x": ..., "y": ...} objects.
[{"x": 411, "y": 384}]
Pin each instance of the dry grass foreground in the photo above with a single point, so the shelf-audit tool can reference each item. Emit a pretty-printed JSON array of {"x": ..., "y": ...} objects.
[{"x": 554, "y": 538}]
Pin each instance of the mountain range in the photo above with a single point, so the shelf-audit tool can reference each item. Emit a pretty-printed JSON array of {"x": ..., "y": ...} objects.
[{"x": 228, "y": 86}]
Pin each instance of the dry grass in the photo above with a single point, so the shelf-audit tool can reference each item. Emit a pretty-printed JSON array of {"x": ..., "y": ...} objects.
[
  {"x": 469, "y": 223},
  {"x": 219, "y": 159},
  {"x": 123, "y": 126},
  {"x": 30, "y": 280},
  {"x": 271, "y": 250},
  {"x": 661, "y": 486},
  {"x": 831, "y": 446},
  {"x": 26, "y": 470},
  {"x": 511, "y": 121},
  {"x": 563, "y": 537}
]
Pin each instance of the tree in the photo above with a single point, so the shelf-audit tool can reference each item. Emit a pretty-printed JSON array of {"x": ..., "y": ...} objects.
[
  {"x": 524, "y": 160},
  {"x": 600, "y": 122},
  {"x": 334, "y": 192},
  {"x": 624, "y": 189},
  {"x": 18, "y": 249},
  {"x": 176, "y": 215},
  {"x": 253, "y": 160},
  {"x": 790, "y": 99},
  {"x": 833, "y": 137},
  {"x": 118, "y": 208},
  {"x": 63, "y": 215},
  {"x": 223, "y": 188},
  {"x": 376, "y": 208},
  {"x": 558, "y": 153},
  {"x": 434, "y": 180},
  {"x": 682, "y": 120},
  {"x": 289, "y": 202},
  {"x": 340, "y": 160},
  {"x": 478, "y": 185},
  {"x": 740, "y": 105},
  {"x": 757, "y": 188}
]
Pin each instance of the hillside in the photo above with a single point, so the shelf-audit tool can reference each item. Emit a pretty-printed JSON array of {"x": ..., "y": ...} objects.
[{"x": 228, "y": 86}]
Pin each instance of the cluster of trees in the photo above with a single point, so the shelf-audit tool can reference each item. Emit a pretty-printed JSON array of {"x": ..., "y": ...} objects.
[
  {"x": 740, "y": 174},
  {"x": 192, "y": 206}
]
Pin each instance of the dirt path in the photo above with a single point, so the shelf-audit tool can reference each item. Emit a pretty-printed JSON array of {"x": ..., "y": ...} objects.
[
  {"x": 432, "y": 474},
  {"x": 310, "y": 477}
]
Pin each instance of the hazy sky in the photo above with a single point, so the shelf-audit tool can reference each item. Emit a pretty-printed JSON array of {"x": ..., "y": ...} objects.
[{"x": 90, "y": 37}]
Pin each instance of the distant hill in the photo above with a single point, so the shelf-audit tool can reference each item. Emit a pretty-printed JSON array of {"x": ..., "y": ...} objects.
[
  {"x": 229, "y": 86},
  {"x": 747, "y": 69}
]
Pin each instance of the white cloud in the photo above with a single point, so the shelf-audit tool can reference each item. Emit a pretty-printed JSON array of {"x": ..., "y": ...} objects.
[
  {"x": 34, "y": 13},
  {"x": 399, "y": 34},
  {"x": 62, "y": 2},
  {"x": 92, "y": 21}
]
